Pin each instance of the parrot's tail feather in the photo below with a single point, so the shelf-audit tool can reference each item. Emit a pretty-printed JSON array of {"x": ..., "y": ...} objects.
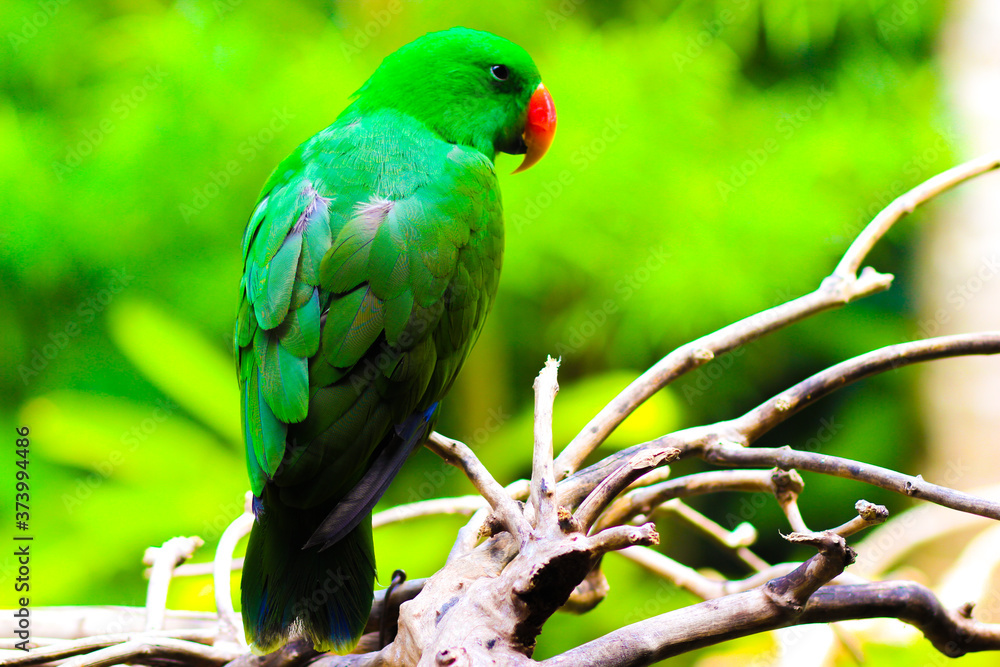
[
  {"x": 357, "y": 505},
  {"x": 288, "y": 591}
]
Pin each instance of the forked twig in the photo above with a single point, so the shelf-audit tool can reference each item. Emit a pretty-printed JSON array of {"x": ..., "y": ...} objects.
[
  {"x": 619, "y": 480},
  {"x": 458, "y": 454}
]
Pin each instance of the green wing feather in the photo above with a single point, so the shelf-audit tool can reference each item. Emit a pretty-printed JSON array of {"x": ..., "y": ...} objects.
[
  {"x": 349, "y": 264},
  {"x": 278, "y": 323},
  {"x": 299, "y": 332}
]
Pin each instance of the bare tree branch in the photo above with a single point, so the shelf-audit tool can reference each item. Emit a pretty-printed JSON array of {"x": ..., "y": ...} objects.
[
  {"x": 907, "y": 203},
  {"x": 619, "y": 480},
  {"x": 643, "y": 501},
  {"x": 650, "y": 477},
  {"x": 884, "y": 546},
  {"x": 296, "y": 653},
  {"x": 915, "y": 487},
  {"x": 723, "y": 442},
  {"x": 699, "y": 352},
  {"x": 458, "y": 454},
  {"x": 156, "y": 651},
  {"x": 364, "y": 660},
  {"x": 869, "y": 514},
  {"x": 230, "y": 625},
  {"x": 198, "y": 569},
  {"x": 679, "y": 631},
  {"x": 543, "y": 481},
  {"x": 737, "y": 540},
  {"x": 52, "y": 625},
  {"x": 951, "y": 632},
  {"x": 779, "y": 602},
  {"x": 769, "y": 414},
  {"x": 466, "y": 505},
  {"x": 470, "y": 534},
  {"x": 621, "y": 537},
  {"x": 68, "y": 649},
  {"x": 675, "y": 572},
  {"x": 163, "y": 560},
  {"x": 707, "y": 588},
  {"x": 794, "y": 588},
  {"x": 788, "y": 485}
]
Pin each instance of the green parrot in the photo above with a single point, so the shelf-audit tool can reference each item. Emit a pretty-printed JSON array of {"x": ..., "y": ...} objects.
[{"x": 370, "y": 263}]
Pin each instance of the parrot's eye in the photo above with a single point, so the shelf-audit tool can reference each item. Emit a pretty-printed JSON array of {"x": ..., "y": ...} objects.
[{"x": 500, "y": 72}]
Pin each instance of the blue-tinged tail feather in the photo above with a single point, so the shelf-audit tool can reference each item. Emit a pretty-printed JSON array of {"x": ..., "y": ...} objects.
[{"x": 289, "y": 591}]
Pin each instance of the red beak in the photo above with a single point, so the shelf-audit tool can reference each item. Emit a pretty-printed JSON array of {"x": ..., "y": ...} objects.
[{"x": 540, "y": 127}]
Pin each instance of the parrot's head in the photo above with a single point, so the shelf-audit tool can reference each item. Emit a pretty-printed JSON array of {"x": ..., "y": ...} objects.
[{"x": 472, "y": 88}]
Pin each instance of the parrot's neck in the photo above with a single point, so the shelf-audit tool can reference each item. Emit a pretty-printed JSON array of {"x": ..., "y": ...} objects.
[{"x": 458, "y": 129}]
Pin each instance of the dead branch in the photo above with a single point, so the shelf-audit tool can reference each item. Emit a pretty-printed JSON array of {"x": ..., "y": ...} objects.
[
  {"x": 644, "y": 500},
  {"x": 458, "y": 454},
  {"x": 619, "y": 480},
  {"x": 775, "y": 604},
  {"x": 907, "y": 203},
  {"x": 466, "y": 505},
  {"x": 63, "y": 650},
  {"x": 915, "y": 487},
  {"x": 490, "y": 604},
  {"x": 151, "y": 651},
  {"x": 869, "y": 514},
  {"x": 707, "y": 623},
  {"x": 737, "y": 540},
  {"x": 749, "y": 427},
  {"x": 726, "y": 442},
  {"x": 230, "y": 626},
  {"x": 884, "y": 546},
  {"x": 163, "y": 561},
  {"x": 543, "y": 483}
]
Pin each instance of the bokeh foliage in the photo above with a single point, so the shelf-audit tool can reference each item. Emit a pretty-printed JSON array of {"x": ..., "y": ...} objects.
[{"x": 713, "y": 159}]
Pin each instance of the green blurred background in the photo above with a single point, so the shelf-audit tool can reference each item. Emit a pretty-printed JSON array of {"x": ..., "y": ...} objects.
[{"x": 713, "y": 159}]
